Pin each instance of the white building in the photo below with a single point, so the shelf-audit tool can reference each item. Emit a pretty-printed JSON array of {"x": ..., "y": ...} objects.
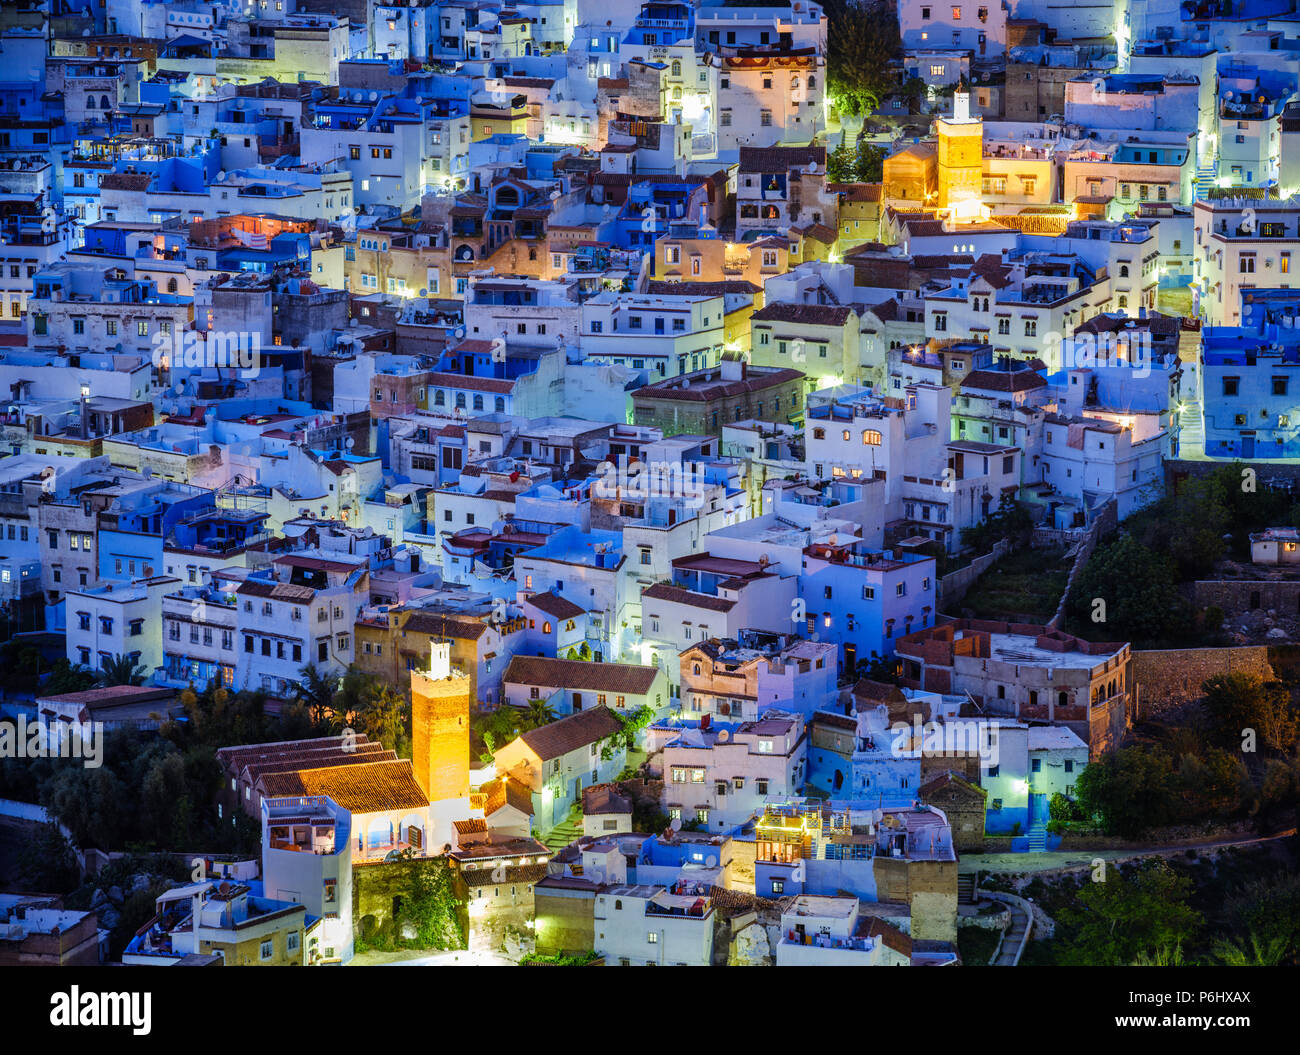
[
  {"x": 722, "y": 776},
  {"x": 1241, "y": 243},
  {"x": 823, "y": 931},
  {"x": 307, "y": 859},
  {"x": 118, "y": 619},
  {"x": 651, "y": 926}
]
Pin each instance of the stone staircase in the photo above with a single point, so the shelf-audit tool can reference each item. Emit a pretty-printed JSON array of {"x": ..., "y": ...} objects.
[
  {"x": 1037, "y": 841},
  {"x": 1206, "y": 175},
  {"x": 564, "y": 833},
  {"x": 965, "y": 889},
  {"x": 1191, "y": 431}
]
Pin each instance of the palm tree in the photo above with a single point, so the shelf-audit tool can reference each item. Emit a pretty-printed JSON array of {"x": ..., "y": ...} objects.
[
  {"x": 121, "y": 670},
  {"x": 316, "y": 693},
  {"x": 1268, "y": 952},
  {"x": 539, "y": 713}
]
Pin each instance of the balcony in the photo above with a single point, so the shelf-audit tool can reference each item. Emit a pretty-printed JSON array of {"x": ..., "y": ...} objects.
[
  {"x": 378, "y": 854},
  {"x": 825, "y": 941}
]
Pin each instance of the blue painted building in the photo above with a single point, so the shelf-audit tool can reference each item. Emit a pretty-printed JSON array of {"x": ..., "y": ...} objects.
[
  {"x": 1250, "y": 379},
  {"x": 865, "y": 598},
  {"x": 133, "y": 529}
]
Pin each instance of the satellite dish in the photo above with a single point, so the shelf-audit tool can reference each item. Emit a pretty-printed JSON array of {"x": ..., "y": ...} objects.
[
  {"x": 352, "y": 321},
  {"x": 221, "y": 176},
  {"x": 812, "y": 166},
  {"x": 723, "y": 736},
  {"x": 710, "y": 861},
  {"x": 424, "y": 292},
  {"x": 1227, "y": 95},
  {"x": 374, "y": 97},
  {"x": 349, "y": 443},
  {"x": 676, "y": 824},
  {"x": 555, "y": 195}
]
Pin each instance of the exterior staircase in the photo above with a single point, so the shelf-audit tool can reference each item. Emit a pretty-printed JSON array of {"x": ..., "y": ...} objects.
[
  {"x": 1037, "y": 843},
  {"x": 1191, "y": 432},
  {"x": 1206, "y": 175},
  {"x": 564, "y": 833},
  {"x": 965, "y": 889}
]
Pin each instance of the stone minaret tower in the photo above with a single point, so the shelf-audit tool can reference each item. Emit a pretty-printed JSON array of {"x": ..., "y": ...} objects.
[{"x": 440, "y": 702}]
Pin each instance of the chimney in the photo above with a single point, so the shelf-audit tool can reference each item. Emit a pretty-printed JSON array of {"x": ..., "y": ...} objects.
[{"x": 732, "y": 369}]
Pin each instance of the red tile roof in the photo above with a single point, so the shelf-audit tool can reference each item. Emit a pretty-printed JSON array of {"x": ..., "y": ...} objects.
[
  {"x": 812, "y": 314},
  {"x": 375, "y": 787},
  {"x": 571, "y": 733},
  {"x": 629, "y": 679}
]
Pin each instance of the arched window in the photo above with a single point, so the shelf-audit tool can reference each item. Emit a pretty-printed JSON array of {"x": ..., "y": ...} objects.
[
  {"x": 532, "y": 254},
  {"x": 90, "y": 102},
  {"x": 812, "y": 81},
  {"x": 1123, "y": 301},
  {"x": 794, "y": 83},
  {"x": 460, "y": 400},
  {"x": 677, "y": 68},
  {"x": 439, "y": 398},
  {"x": 478, "y": 402},
  {"x": 1062, "y": 699},
  {"x": 499, "y": 405},
  {"x": 104, "y": 104},
  {"x": 171, "y": 285},
  {"x": 546, "y": 627},
  {"x": 1123, "y": 270}
]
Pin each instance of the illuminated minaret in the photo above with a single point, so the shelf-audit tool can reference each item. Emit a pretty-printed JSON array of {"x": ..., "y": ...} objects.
[
  {"x": 440, "y": 702},
  {"x": 961, "y": 159}
]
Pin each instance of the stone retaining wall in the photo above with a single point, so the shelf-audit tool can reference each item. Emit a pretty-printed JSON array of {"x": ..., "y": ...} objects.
[{"x": 1169, "y": 678}]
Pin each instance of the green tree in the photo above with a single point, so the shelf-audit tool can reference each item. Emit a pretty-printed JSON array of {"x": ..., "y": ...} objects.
[
  {"x": 869, "y": 162},
  {"x": 161, "y": 794},
  {"x": 93, "y": 804},
  {"x": 1266, "y": 910},
  {"x": 1213, "y": 784},
  {"x": 887, "y": 670},
  {"x": 1237, "y": 702},
  {"x": 1010, "y": 520},
  {"x": 1116, "y": 921},
  {"x": 65, "y": 678},
  {"x": 316, "y": 693},
  {"x": 840, "y": 163},
  {"x": 121, "y": 670},
  {"x": 1253, "y": 952},
  {"x": 539, "y": 713},
  {"x": 1062, "y": 809},
  {"x": 433, "y": 909},
  {"x": 861, "y": 40},
  {"x": 384, "y": 715},
  {"x": 1128, "y": 790},
  {"x": 47, "y": 862},
  {"x": 1140, "y": 593}
]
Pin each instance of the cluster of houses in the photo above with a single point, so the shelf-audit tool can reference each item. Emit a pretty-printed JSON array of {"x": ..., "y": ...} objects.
[{"x": 564, "y": 360}]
